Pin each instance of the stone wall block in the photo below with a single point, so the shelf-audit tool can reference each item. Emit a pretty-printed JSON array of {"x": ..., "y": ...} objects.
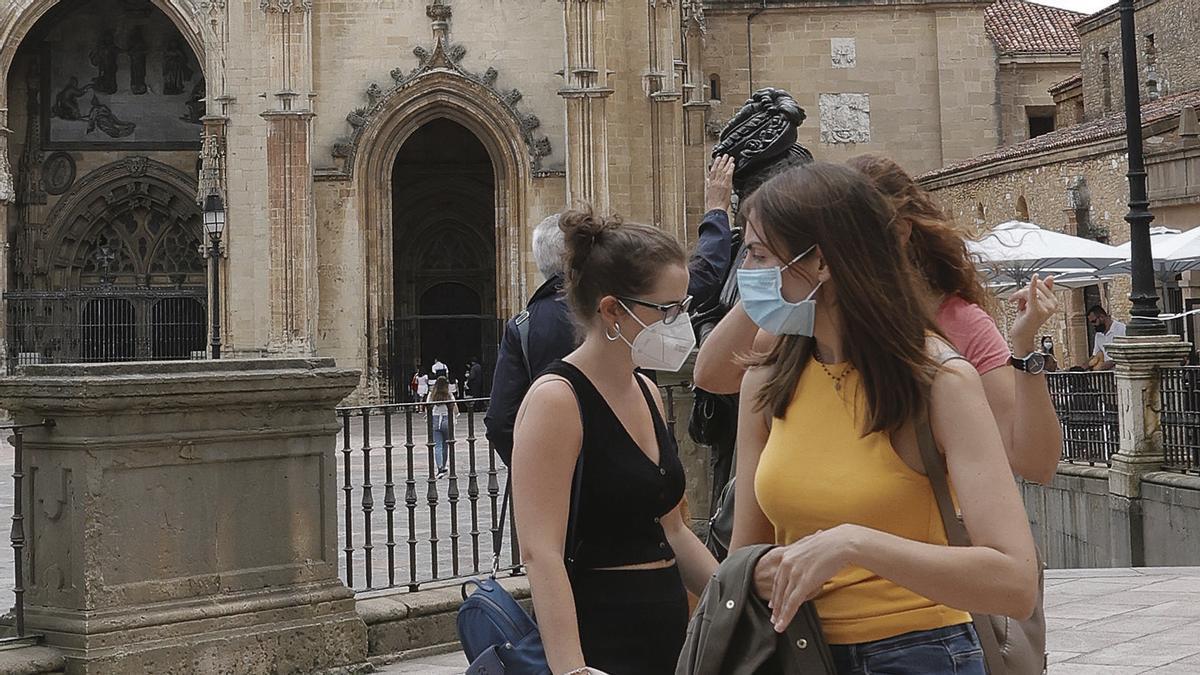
[{"x": 180, "y": 516}]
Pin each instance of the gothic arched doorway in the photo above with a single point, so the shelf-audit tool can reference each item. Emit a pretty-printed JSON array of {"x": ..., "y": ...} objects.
[
  {"x": 105, "y": 100},
  {"x": 443, "y": 251}
]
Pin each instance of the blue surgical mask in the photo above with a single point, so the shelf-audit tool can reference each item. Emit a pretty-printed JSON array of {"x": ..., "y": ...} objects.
[{"x": 762, "y": 298}]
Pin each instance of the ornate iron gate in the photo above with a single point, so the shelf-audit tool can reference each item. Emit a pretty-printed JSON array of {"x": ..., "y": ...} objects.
[{"x": 106, "y": 323}]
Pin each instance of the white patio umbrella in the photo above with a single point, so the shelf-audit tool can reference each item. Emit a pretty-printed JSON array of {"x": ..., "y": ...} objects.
[
  {"x": 1173, "y": 251},
  {"x": 1013, "y": 252}
]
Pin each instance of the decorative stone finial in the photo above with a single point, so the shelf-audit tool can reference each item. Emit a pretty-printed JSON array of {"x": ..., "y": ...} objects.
[{"x": 439, "y": 13}]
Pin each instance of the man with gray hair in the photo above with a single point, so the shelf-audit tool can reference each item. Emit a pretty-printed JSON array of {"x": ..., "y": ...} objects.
[{"x": 550, "y": 335}]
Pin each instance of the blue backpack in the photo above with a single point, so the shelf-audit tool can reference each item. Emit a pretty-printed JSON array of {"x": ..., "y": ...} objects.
[{"x": 498, "y": 636}]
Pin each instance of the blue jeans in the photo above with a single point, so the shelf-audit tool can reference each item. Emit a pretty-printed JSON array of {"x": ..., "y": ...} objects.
[
  {"x": 441, "y": 431},
  {"x": 953, "y": 650}
]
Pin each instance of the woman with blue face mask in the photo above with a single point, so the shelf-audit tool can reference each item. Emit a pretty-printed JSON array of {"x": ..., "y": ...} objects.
[
  {"x": 615, "y": 599},
  {"x": 827, "y": 438}
]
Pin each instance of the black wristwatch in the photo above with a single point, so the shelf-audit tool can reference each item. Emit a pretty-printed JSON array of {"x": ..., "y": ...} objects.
[{"x": 1034, "y": 363}]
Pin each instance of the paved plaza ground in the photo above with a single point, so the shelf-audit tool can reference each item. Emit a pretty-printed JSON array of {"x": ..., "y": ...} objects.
[{"x": 1100, "y": 622}]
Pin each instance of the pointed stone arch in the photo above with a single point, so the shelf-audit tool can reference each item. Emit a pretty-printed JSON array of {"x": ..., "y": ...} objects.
[
  {"x": 183, "y": 13},
  {"x": 438, "y": 92},
  {"x": 115, "y": 203}
]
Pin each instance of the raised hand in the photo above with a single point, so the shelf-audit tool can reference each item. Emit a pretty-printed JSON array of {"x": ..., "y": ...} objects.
[
  {"x": 718, "y": 185},
  {"x": 1036, "y": 303}
]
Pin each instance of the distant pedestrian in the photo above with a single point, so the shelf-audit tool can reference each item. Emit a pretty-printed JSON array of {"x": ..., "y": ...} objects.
[
  {"x": 475, "y": 379},
  {"x": 441, "y": 402},
  {"x": 413, "y": 384},
  {"x": 422, "y": 386},
  {"x": 1107, "y": 329},
  {"x": 439, "y": 368}
]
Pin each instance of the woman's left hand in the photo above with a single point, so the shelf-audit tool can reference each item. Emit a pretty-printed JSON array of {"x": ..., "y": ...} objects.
[
  {"x": 1036, "y": 303},
  {"x": 803, "y": 568}
]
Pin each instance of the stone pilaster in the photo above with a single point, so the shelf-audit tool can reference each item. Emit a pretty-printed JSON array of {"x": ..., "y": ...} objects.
[
  {"x": 1138, "y": 401},
  {"x": 695, "y": 114},
  {"x": 180, "y": 517},
  {"x": 666, "y": 117},
  {"x": 586, "y": 92},
  {"x": 293, "y": 261}
]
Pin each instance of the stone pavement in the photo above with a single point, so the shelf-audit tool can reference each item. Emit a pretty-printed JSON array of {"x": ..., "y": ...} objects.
[{"x": 1099, "y": 621}]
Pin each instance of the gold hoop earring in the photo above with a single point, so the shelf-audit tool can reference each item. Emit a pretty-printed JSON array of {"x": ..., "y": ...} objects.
[{"x": 613, "y": 338}]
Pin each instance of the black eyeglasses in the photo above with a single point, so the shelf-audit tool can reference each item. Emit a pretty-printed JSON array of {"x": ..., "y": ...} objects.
[{"x": 671, "y": 310}]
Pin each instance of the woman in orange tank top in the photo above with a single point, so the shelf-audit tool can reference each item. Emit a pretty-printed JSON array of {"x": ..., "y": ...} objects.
[{"x": 826, "y": 430}]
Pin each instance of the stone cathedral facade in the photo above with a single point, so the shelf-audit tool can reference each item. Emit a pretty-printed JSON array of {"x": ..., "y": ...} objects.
[{"x": 382, "y": 162}]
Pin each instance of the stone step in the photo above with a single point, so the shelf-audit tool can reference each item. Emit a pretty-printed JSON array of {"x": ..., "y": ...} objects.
[
  {"x": 401, "y": 623},
  {"x": 31, "y": 660}
]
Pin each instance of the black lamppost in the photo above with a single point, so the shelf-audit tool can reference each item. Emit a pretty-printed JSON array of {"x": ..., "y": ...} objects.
[
  {"x": 214, "y": 224},
  {"x": 1144, "y": 296}
]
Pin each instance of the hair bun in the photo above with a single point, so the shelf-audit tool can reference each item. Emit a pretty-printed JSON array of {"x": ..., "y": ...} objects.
[{"x": 583, "y": 230}]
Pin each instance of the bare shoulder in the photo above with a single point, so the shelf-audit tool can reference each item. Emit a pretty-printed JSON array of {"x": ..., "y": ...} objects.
[
  {"x": 550, "y": 401},
  {"x": 956, "y": 380},
  {"x": 549, "y": 390}
]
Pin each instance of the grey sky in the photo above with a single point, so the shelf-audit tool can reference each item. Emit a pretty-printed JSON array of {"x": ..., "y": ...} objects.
[{"x": 1085, "y": 6}]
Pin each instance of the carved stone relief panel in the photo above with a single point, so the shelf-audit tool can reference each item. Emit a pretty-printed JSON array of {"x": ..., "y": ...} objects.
[
  {"x": 843, "y": 53},
  {"x": 845, "y": 118}
]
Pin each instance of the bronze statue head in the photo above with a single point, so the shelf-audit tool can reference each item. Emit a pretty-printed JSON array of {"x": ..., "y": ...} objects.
[{"x": 761, "y": 138}]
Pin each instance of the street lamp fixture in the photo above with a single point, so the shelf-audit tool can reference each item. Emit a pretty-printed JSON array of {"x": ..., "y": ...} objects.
[
  {"x": 214, "y": 224},
  {"x": 1144, "y": 316}
]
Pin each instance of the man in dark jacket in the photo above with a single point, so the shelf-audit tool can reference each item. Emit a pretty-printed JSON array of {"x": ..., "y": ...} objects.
[{"x": 551, "y": 332}]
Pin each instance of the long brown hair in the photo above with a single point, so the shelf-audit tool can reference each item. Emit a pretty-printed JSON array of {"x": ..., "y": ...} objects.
[
  {"x": 883, "y": 318},
  {"x": 440, "y": 390},
  {"x": 935, "y": 247}
]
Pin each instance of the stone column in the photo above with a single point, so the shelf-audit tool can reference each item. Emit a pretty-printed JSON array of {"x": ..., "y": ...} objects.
[
  {"x": 181, "y": 516},
  {"x": 586, "y": 92},
  {"x": 293, "y": 236},
  {"x": 1138, "y": 400}
]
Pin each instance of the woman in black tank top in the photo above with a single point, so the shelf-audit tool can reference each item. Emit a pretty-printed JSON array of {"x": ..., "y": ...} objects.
[{"x": 615, "y": 601}]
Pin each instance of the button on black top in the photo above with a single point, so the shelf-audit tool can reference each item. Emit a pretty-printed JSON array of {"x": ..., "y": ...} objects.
[{"x": 624, "y": 493}]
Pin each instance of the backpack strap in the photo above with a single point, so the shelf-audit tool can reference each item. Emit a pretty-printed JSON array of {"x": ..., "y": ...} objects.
[
  {"x": 569, "y": 544},
  {"x": 956, "y": 531},
  {"x": 522, "y": 322}
]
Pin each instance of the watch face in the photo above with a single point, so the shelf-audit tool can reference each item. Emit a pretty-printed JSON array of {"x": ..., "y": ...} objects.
[{"x": 1035, "y": 363}]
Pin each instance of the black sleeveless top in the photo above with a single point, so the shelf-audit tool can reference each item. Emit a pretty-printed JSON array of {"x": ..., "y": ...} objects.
[{"x": 624, "y": 494}]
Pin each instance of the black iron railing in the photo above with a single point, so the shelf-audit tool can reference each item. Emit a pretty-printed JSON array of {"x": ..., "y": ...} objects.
[
  {"x": 403, "y": 525},
  {"x": 106, "y": 323},
  {"x": 1180, "y": 396},
  {"x": 17, "y": 533},
  {"x": 1086, "y": 404},
  {"x": 388, "y": 452}
]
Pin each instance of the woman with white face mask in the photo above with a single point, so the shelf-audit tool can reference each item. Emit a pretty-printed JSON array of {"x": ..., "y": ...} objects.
[{"x": 616, "y": 600}]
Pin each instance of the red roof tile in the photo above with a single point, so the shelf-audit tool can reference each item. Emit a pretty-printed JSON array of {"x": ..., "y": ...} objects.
[
  {"x": 1072, "y": 81},
  {"x": 1020, "y": 27},
  {"x": 1110, "y": 126}
]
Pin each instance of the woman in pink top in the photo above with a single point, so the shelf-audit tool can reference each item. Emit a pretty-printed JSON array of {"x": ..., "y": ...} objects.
[{"x": 1019, "y": 400}]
